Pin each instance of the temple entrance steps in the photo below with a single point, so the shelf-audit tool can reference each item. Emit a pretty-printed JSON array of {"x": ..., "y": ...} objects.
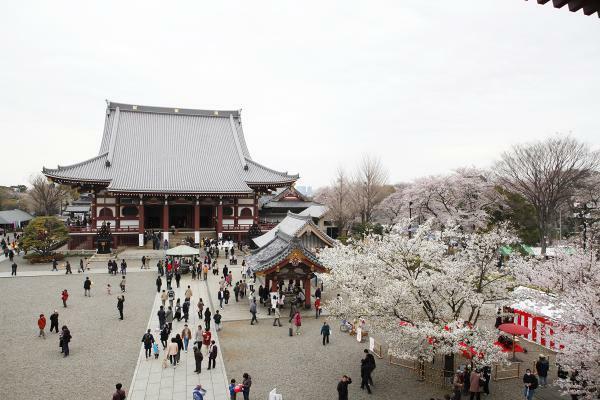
[
  {"x": 102, "y": 258},
  {"x": 133, "y": 253}
]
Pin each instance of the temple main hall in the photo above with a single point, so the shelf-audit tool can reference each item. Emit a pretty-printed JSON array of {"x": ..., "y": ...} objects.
[{"x": 170, "y": 170}]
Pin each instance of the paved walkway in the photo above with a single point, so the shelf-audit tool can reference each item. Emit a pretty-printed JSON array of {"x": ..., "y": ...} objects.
[{"x": 153, "y": 382}]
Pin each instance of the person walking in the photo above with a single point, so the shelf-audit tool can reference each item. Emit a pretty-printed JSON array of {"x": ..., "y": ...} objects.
[
  {"x": 246, "y": 384},
  {"x": 177, "y": 277},
  {"x": 169, "y": 319},
  {"x": 457, "y": 385},
  {"x": 120, "y": 303},
  {"x": 65, "y": 339},
  {"x": 68, "y": 268},
  {"x": 172, "y": 351},
  {"x": 297, "y": 322},
  {"x": 207, "y": 315},
  {"x": 171, "y": 295},
  {"x": 119, "y": 393},
  {"x": 200, "y": 306},
  {"x": 542, "y": 366},
  {"x": 148, "y": 341},
  {"x": 54, "y": 264},
  {"x": 164, "y": 337},
  {"x": 64, "y": 296},
  {"x": 236, "y": 291},
  {"x": 54, "y": 321},
  {"x": 122, "y": 284},
  {"x": 42, "y": 325},
  {"x": 212, "y": 355},
  {"x": 475, "y": 385},
  {"x": 186, "y": 334},
  {"x": 342, "y": 387},
  {"x": 364, "y": 374},
  {"x": 277, "y": 314},
  {"x": 198, "y": 357},
  {"x": 217, "y": 319},
  {"x": 143, "y": 262},
  {"x": 164, "y": 297},
  {"x": 226, "y": 295},
  {"x": 188, "y": 293},
  {"x": 370, "y": 362},
  {"x": 162, "y": 317},
  {"x": 253, "y": 312},
  {"x": 317, "y": 307},
  {"x": 13, "y": 270},
  {"x": 220, "y": 297},
  {"x": 87, "y": 287},
  {"x": 186, "y": 310},
  {"x": 325, "y": 331},
  {"x": 530, "y": 383},
  {"x": 159, "y": 285}
]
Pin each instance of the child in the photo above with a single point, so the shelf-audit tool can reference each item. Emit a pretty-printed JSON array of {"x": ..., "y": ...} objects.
[
  {"x": 155, "y": 350},
  {"x": 108, "y": 289},
  {"x": 122, "y": 284},
  {"x": 232, "y": 392}
]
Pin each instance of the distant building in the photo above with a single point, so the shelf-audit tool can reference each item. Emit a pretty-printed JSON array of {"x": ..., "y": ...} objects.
[
  {"x": 14, "y": 219},
  {"x": 273, "y": 208}
]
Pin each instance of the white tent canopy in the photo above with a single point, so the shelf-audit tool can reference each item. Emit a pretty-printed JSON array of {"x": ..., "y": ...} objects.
[{"x": 183, "y": 250}]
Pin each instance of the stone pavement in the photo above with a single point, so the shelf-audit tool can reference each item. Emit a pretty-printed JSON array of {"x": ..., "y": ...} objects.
[{"x": 153, "y": 382}]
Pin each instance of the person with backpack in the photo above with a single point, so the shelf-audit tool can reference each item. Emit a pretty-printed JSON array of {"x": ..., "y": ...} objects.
[
  {"x": 198, "y": 393},
  {"x": 148, "y": 341},
  {"x": 530, "y": 383}
]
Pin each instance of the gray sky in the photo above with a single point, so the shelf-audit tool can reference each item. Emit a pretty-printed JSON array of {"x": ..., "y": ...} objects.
[{"x": 426, "y": 86}]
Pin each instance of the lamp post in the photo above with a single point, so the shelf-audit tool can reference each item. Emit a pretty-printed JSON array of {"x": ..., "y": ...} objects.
[{"x": 410, "y": 203}]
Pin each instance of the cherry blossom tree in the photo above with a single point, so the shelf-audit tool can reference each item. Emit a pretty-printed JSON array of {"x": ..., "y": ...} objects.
[
  {"x": 464, "y": 197},
  {"x": 572, "y": 279},
  {"x": 423, "y": 295}
]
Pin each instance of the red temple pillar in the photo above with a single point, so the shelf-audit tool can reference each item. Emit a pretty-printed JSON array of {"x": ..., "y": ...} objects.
[
  {"x": 117, "y": 213},
  {"x": 165, "y": 220},
  {"x": 220, "y": 218},
  {"x": 307, "y": 292},
  {"x": 255, "y": 209},
  {"x": 93, "y": 212},
  {"x": 235, "y": 212}
]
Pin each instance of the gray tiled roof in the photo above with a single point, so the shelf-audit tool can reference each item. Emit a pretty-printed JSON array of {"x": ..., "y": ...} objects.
[
  {"x": 8, "y": 217},
  {"x": 291, "y": 225},
  {"x": 155, "y": 149},
  {"x": 276, "y": 251},
  {"x": 315, "y": 211}
]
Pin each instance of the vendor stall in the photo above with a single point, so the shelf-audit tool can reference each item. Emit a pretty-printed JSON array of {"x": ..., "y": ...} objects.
[{"x": 538, "y": 313}]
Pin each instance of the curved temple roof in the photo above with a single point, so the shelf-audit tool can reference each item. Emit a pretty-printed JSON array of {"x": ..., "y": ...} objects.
[{"x": 171, "y": 150}]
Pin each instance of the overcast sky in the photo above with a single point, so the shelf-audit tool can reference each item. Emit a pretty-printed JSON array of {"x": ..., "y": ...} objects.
[{"x": 428, "y": 86}]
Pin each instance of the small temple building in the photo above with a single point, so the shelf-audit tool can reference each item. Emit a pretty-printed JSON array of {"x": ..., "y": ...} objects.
[
  {"x": 274, "y": 207},
  {"x": 166, "y": 169},
  {"x": 288, "y": 253}
]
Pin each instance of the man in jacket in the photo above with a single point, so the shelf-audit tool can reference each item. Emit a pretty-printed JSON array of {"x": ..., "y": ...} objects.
[
  {"x": 342, "y": 387},
  {"x": 530, "y": 383},
  {"x": 198, "y": 357},
  {"x": 325, "y": 331},
  {"x": 212, "y": 355},
  {"x": 54, "y": 321},
  {"x": 162, "y": 317},
  {"x": 87, "y": 286},
  {"x": 542, "y": 366},
  {"x": 148, "y": 340},
  {"x": 120, "y": 302}
]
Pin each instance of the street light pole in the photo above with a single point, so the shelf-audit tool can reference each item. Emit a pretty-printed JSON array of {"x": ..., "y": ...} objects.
[{"x": 410, "y": 203}]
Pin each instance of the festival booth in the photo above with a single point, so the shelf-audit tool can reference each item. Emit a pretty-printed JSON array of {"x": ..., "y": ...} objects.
[
  {"x": 186, "y": 254},
  {"x": 538, "y": 316}
]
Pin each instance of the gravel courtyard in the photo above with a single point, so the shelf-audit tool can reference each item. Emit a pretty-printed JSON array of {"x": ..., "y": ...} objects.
[
  {"x": 104, "y": 350},
  {"x": 300, "y": 367}
]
